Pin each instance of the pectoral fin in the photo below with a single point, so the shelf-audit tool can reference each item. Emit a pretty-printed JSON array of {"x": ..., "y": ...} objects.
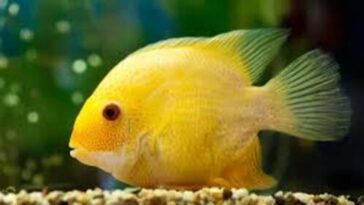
[{"x": 246, "y": 171}]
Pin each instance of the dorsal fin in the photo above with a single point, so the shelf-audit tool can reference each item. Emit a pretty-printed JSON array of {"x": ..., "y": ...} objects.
[{"x": 253, "y": 48}]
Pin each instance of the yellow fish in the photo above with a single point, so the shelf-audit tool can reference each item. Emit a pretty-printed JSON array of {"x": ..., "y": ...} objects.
[{"x": 186, "y": 112}]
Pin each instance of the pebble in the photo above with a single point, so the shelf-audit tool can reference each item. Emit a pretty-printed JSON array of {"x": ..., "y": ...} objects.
[
  {"x": 360, "y": 200},
  {"x": 206, "y": 196},
  {"x": 227, "y": 194}
]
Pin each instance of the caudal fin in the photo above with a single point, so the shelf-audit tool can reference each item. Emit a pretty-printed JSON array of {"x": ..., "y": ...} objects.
[{"x": 307, "y": 101}]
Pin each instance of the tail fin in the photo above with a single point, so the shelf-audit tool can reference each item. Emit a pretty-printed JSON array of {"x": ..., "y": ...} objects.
[{"x": 307, "y": 101}]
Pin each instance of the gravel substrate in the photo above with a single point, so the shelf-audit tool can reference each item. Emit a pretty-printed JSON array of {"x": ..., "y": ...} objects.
[{"x": 208, "y": 196}]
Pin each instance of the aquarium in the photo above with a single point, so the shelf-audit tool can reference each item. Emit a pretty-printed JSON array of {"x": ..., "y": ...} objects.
[{"x": 210, "y": 98}]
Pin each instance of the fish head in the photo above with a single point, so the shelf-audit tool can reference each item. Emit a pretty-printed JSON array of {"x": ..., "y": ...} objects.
[
  {"x": 106, "y": 131},
  {"x": 111, "y": 131}
]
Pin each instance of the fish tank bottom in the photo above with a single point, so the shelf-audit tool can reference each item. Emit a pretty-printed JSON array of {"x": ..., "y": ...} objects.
[{"x": 172, "y": 197}]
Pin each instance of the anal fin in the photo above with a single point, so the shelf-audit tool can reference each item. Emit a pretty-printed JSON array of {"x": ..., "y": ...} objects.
[{"x": 246, "y": 171}]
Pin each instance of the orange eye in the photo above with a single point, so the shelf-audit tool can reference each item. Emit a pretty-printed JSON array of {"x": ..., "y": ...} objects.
[{"x": 111, "y": 112}]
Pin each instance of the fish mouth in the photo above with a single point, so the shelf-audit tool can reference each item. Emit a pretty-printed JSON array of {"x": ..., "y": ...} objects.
[
  {"x": 73, "y": 153},
  {"x": 73, "y": 149},
  {"x": 83, "y": 156},
  {"x": 76, "y": 149}
]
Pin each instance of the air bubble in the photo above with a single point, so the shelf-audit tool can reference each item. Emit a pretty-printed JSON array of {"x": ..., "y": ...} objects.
[
  {"x": 11, "y": 99},
  {"x": 77, "y": 98},
  {"x": 26, "y": 34},
  {"x": 63, "y": 26},
  {"x": 38, "y": 180},
  {"x": 4, "y": 62},
  {"x": 33, "y": 117},
  {"x": 94, "y": 60},
  {"x": 79, "y": 66},
  {"x": 13, "y": 9}
]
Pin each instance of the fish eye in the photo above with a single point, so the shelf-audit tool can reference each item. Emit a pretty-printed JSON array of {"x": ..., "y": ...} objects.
[{"x": 111, "y": 111}]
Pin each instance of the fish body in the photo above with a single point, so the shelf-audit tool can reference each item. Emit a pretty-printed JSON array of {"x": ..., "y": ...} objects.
[{"x": 185, "y": 112}]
